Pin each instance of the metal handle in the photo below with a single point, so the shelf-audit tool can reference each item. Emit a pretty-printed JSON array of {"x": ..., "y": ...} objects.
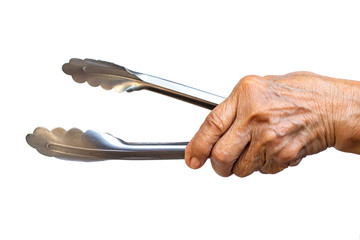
[{"x": 180, "y": 91}]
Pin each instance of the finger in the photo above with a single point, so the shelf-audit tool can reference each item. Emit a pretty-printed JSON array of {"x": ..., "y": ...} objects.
[
  {"x": 217, "y": 122},
  {"x": 228, "y": 149},
  {"x": 289, "y": 155},
  {"x": 301, "y": 154},
  {"x": 249, "y": 161},
  {"x": 272, "y": 166}
]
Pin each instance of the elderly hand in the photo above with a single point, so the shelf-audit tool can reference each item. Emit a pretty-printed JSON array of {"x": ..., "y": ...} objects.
[{"x": 272, "y": 122}]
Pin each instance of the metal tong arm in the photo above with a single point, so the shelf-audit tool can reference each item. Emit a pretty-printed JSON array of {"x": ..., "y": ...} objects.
[
  {"x": 95, "y": 146},
  {"x": 112, "y": 76}
]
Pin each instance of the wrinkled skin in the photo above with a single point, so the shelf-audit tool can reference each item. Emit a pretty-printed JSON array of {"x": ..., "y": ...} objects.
[{"x": 270, "y": 123}]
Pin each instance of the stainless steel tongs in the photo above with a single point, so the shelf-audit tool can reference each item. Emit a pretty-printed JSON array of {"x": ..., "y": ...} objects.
[{"x": 95, "y": 146}]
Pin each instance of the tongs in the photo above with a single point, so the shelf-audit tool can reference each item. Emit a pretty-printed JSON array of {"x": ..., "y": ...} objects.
[{"x": 94, "y": 146}]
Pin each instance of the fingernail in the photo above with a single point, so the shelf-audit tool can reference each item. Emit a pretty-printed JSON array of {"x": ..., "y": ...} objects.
[{"x": 194, "y": 163}]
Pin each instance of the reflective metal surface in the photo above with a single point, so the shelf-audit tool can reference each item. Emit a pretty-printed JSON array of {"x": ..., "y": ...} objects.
[
  {"x": 112, "y": 76},
  {"x": 95, "y": 146}
]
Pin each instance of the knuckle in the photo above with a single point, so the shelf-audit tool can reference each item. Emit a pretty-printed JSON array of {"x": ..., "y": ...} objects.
[
  {"x": 289, "y": 154},
  {"x": 269, "y": 136},
  {"x": 220, "y": 156},
  {"x": 251, "y": 81},
  {"x": 271, "y": 76},
  {"x": 300, "y": 73},
  {"x": 215, "y": 121}
]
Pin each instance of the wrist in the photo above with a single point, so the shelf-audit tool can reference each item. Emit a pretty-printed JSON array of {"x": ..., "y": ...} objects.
[{"x": 346, "y": 116}]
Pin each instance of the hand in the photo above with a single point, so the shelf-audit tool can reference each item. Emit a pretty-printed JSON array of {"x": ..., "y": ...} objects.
[{"x": 272, "y": 122}]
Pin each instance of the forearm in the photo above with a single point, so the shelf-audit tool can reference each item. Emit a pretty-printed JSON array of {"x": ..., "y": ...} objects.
[{"x": 347, "y": 117}]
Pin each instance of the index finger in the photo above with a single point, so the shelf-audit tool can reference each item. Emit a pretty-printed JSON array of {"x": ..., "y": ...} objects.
[{"x": 215, "y": 125}]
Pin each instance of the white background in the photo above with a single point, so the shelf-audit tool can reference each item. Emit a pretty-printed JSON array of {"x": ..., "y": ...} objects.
[{"x": 204, "y": 44}]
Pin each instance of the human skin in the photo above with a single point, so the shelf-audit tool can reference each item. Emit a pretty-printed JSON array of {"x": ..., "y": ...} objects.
[{"x": 272, "y": 122}]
